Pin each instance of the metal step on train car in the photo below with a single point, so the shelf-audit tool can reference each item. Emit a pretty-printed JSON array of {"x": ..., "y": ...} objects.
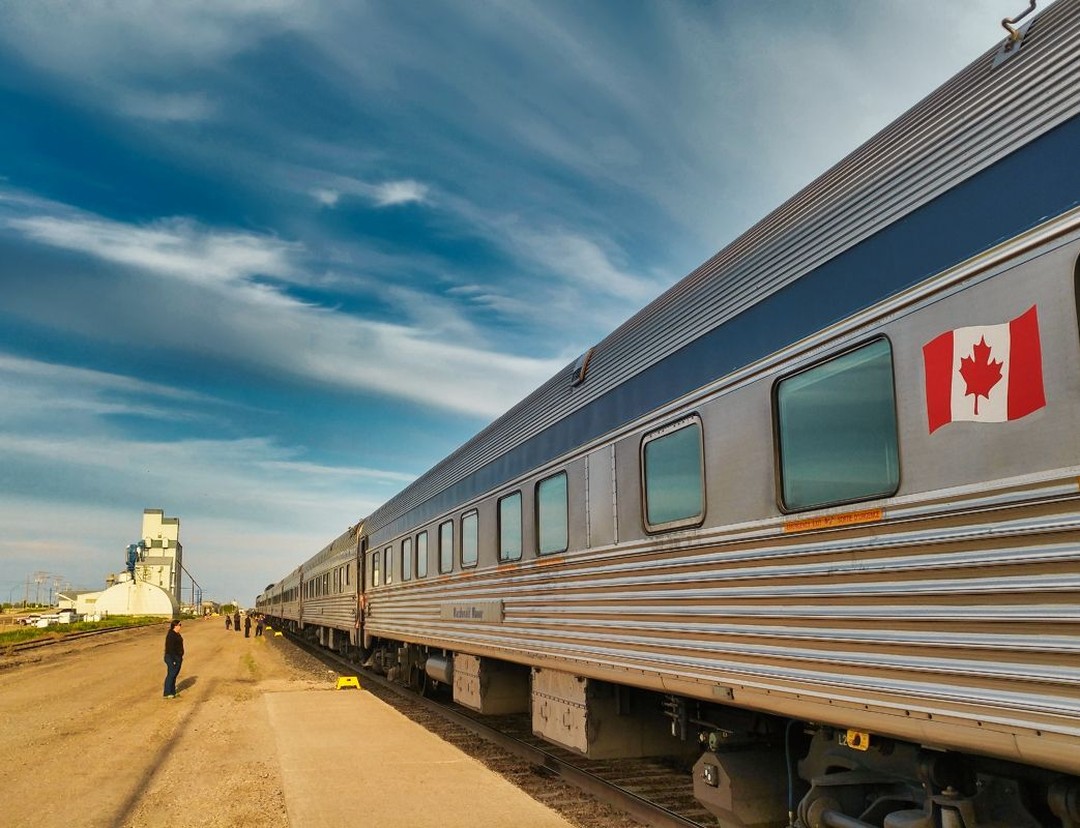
[{"x": 812, "y": 517}]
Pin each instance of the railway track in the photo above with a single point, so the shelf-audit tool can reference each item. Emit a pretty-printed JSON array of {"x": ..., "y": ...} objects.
[
  {"x": 645, "y": 791},
  {"x": 63, "y": 638}
]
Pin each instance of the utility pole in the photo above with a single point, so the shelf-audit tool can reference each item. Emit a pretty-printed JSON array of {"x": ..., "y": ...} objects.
[{"x": 39, "y": 579}]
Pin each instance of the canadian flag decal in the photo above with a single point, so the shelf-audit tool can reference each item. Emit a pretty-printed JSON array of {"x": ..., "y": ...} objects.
[{"x": 985, "y": 373}]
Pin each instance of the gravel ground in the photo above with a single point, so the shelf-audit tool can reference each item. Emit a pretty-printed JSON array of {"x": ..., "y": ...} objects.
[{"x": 87, "y": 739}]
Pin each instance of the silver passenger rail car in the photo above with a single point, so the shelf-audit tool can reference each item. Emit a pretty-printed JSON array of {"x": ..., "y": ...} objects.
[
  {"x": 813, "y": 515},
  {"x": 330, "y": 592},
  {"x": 286, "y": 603}
]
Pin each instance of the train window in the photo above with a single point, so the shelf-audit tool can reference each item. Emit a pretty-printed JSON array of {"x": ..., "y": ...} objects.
[
  {"x": 836, "y": 430},
  {"x": 421, "y": 555},
  {"x": 406, "y": 559},
  {"x": 388, "y": 564},
  {"x": 375, "y": 556},
  {"x": 510, "y": 527},
  {"x": 348, "y": 574},
  {"x": 673, "y": 476},
  {"x": 446, "y": 546},
  {"x": 469, "y": 538},
  {"x": 551, "y": 515}
]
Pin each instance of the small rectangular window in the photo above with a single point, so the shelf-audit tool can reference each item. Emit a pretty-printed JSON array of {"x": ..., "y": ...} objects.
[
  {"x": 421, "y": 555},
  {"x": 510, "y": 527},
  {"x": 673, "y": 476},
  {"x": 446, "y": 546},
  {"x": 470, "y": 538},
  {"x": 552, "y": 523},
  {"x": 406, "y": 559},
  {"x": 375, "y": 559},
  {"x": 388, "y": 564},
  {"x": 836, "y": 428},
  {"x": 348, "y": 573}
]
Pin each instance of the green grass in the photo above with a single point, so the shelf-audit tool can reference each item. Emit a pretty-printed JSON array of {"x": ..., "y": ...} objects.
[{"x": 21, "y": 634}]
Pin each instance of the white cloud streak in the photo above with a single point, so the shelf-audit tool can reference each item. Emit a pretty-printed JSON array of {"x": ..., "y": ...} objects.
[{"x": 271, "y": 329}]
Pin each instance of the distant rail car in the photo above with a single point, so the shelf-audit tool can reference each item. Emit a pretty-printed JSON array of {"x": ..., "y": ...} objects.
[{"x": 812, "y": 517}]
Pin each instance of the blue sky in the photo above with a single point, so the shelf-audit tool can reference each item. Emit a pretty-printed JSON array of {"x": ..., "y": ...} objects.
[{"x": 264, "y": 262}]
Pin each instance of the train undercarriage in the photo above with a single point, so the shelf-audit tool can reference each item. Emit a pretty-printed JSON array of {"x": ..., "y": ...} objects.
[{"x": 750, "y": 769}]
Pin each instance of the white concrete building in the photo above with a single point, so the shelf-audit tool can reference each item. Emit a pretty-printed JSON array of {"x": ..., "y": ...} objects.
[{"x": 164, "y": 554}]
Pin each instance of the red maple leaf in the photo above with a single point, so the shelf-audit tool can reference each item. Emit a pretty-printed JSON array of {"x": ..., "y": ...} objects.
[{"x": 979, "y": 372}]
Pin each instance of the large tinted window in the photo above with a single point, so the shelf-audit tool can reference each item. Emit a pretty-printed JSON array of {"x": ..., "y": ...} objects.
[
  {"x": 470, "y": 537},
  {"x": 446, "y": 546},
  {"x": 837, "y": 430},
  {"x": 421, "y": 555},
  {"x": 406, "y": 559},
  {"x": 673, "y": 476},
  {"x": 375, "y": 557},
  {"x": 510, "y": 527},
  {"x": 388, "y": 564},
  {"x": 551, "y": 514}
]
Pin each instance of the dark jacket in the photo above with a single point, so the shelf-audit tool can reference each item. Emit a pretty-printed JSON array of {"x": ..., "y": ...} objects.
[{"x": 174, "y": 644}]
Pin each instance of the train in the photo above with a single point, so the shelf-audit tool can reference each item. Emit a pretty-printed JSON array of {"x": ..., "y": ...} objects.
[{"x": 810, "y": 520}]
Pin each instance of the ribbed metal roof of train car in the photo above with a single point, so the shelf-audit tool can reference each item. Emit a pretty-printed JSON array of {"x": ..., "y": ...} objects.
[{"x": 988, "y": 111}]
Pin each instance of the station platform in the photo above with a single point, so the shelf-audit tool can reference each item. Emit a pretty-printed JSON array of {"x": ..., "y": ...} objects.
[{"x": 348, "y": 758}]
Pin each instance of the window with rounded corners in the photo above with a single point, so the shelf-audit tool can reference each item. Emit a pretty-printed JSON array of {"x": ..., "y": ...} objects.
[
  {"x": 836, "y": 430},
  {"x": 376, "y": 558},
  {"x": 470, "y": 538},
  {"x": 421, "y": 555},
  {"x": 388, "y": 565},
  {"x": 406, "y": 559},
  {"x": 552, "y": 515},
  {"x": 510, "y": 527},
  {"x": 446, "y": 546},
  {"x": 673, "y": 476}
]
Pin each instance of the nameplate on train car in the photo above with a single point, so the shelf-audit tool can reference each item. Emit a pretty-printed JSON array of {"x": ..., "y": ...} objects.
[
  {"x": 483, "y": 611},
  {"x": 834, "y": 521}
]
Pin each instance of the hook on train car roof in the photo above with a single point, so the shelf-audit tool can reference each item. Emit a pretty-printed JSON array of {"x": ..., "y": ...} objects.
[{"x": 1016, "y": 35}]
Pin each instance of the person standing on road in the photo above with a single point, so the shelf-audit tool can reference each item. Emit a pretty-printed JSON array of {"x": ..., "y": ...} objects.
[
  {"x": 258, "y": 625},
  {"x": 236, "y": 620},
  {"x": 174, "y": 657},
  {"x": 228, "y": 622},
  {"x": 247, "y": 626}
]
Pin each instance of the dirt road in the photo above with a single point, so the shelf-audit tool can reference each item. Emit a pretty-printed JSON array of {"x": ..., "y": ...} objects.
[{"x": 88, "y": 740}]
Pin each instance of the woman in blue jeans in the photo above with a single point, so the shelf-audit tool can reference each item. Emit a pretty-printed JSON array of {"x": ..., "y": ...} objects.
[{"x": 174, "y": 657}]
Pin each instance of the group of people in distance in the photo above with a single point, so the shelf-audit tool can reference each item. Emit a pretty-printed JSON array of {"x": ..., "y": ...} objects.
[
  {"x": 232, "y": 622},
  {"x": 174, "y": 645}
]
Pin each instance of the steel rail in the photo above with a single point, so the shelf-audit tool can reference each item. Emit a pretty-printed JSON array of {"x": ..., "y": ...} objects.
[{"x": 46, "y": 641}]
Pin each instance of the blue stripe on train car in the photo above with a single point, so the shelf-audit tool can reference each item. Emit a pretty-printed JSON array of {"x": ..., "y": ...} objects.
[{"x": 1016, "y": 193}]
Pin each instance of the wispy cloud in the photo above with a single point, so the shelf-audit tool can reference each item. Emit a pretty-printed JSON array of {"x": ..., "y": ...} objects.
[
  {"x": 399, "y": 192},
  {"x": 174, "y": 247},
  {"x": 271, "y": 328},
  {"x": 384, "y": 194}
]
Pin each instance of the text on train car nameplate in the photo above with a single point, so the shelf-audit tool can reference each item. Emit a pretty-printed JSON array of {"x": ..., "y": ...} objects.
[{"x": 489, "y": 611}]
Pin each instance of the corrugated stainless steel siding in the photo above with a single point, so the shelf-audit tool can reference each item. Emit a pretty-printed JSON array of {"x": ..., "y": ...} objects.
[
  {"x": 972, "y": 614},
  {"x": 966, "y": 125}
]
